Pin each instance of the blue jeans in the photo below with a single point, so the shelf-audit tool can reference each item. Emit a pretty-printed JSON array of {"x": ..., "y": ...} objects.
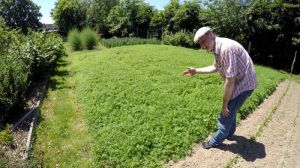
[{"x": 227, "y": 126}]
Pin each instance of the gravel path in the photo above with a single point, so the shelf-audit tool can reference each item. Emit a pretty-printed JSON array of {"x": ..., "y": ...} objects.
[{"x": 277, "y": 146}]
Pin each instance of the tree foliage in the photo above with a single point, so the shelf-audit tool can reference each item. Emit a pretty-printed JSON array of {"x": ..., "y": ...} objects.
[
  {"x": 97, "y": 13},
  {"x": 274, "y": 29},
  {"x": 130, "y": 18},
  {"x": 228, "y": 18},
  {"x": 187, "y": 16},
  {"x": 272, "y": 26},
  {"x": 158, "y": 23},
  {"x": 69, "y": 14},
  {"x": 20, "y": 14},
  {"x": 169, "y": 11}
]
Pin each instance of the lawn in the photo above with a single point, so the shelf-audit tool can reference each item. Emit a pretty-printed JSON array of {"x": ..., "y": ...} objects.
[
  {"x": 61, "y": 138},
  {"x": 134, "y": 107}
]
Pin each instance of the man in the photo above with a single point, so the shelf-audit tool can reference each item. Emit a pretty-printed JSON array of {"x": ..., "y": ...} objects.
[{"x": 236, "y": 68}]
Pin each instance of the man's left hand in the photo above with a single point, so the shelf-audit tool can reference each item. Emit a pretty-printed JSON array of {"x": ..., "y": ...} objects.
[{"x": 226, "y": 112}]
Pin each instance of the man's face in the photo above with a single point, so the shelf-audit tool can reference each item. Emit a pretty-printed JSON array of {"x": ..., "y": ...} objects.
[{"x": 206, "y": 42}]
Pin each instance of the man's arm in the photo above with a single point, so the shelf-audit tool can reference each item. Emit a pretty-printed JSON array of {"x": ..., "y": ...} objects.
[
  {"x": 205, "y": 70},
  {"x": 228, "y": 89}
]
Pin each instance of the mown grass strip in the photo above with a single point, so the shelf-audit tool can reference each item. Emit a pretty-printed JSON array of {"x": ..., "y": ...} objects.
[{"x": 61, "y": 139}]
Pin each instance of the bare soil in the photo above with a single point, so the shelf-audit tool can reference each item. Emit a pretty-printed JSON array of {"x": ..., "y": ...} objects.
[
  {"x": 14, "y": 153},
  {"x": 277, "y": 146}
]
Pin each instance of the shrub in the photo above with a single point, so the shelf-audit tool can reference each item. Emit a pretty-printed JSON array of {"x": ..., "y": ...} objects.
[
  {"x": 13, "y": 84},
  {"x": 88, "y": 38},
  {"x": 181, "y": 38},
  {"x": 74, "y": 40},
  {"x": 21, "y": 60},
  {"x": 44, "y": 50},
  {"x": 13, "y": 71},
  {"x": 5, "y": 136}
]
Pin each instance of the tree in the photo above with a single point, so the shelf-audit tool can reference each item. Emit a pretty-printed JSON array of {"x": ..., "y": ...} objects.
[
  {"x": 118, "y": 23},
  {"x": 130, "y": 18},
  {"x": 187, "y": 16},
  {"x": 158, "y": 23},
  {"x": 227, "y": 18},
  {"x": 143, "y": 19},
  {"x": 97, "y": 14},
  {"x": 69, "y": 14},
  {"x": 20, "y": 14},
  {"x": 169, "y": 11},
  {"x": 275, "y": 32}
]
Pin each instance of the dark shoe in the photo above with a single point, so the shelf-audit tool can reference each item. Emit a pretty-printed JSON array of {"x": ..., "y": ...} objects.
[
  {"x": 230, "y": 138},
  {"x": 206, "y": 145}
]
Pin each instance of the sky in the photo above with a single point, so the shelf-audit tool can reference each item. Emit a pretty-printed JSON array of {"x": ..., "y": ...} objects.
[{"x": 47, "y": 5}]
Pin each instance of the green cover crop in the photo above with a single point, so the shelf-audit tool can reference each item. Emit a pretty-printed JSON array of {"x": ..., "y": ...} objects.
[{"x": 141, "y": 111}]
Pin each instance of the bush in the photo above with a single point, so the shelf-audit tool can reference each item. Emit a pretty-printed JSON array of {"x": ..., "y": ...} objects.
[
  {"x": 13, "y": 84},
  {"x": 74, "y": 40},
  {"x": 44, "y": 50},
  {"x": 13, "y": 71},
  {"x": 5, "y": 136},
  {"x": 88, "y": 38},
  {"x": 22, "y": 59},
  {"x": 181, "y": 38}
]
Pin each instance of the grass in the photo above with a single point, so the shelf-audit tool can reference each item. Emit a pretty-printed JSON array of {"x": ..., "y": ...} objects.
[
  {"x": 89, "y": 38},
  {"x": 296, "y": 78},
  {"x": 115, "y": 42},
  {"x": 232, "y": 161},
  {"x": 61, "y": 139},
  {"x": 141, "y": 112},
  {"x": 74, "y": 40}
]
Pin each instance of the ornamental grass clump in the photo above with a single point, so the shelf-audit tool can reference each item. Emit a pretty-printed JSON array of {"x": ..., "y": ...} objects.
[
  {"x": 74, "y": 40},
  {"x": 89, "y": 38}
]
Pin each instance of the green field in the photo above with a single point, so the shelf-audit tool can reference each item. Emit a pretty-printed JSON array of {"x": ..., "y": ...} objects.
[{"x": 138, "y": 109}]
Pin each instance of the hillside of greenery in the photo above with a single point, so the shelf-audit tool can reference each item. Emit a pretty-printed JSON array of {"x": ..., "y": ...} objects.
[
  {"x": 140, "y": 110},
  {"x": 271, "y": 29}
]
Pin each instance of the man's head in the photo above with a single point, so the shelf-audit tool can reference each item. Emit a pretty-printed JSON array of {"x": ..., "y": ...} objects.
[{"x": 205, "y": 38}]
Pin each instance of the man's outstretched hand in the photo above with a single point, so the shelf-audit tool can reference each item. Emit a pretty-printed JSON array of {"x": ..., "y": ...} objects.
[{"x": 189, "y": 72}]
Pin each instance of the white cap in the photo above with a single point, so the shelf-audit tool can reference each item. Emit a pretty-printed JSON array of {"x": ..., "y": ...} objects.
[{"x": 200, "y": 32}]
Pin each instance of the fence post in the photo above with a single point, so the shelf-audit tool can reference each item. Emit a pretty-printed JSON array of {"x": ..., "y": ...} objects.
[
  {"x": 292, "y": 67},
  {"x": 249, "y": 47}
]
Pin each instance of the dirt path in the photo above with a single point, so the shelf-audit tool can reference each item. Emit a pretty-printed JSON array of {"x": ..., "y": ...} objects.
[
  {"x": 277, "y": 146},
  {"x": 281, "y": 137}
]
